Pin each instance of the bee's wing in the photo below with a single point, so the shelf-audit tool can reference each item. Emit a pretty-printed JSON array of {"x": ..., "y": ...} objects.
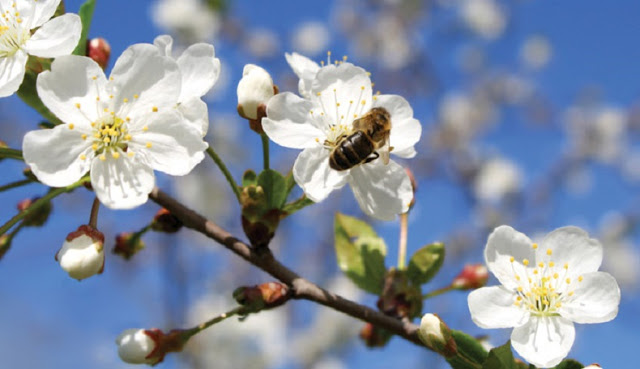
[{"x": 385, "y": 149}]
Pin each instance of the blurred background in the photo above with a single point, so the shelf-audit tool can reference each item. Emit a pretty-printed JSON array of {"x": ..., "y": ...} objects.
[{"x": 531, "y": 117}]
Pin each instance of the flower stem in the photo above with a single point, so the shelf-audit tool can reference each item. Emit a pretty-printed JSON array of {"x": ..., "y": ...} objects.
[
  {"x": 93, "y": 218},
  {"x": 265, "y": 150},
  {"x": 38, "y": 203},
  {"x": 8, "y": 153},
  {"x": 188, "y": 333},
  {"x": 15, "y": 184},
  {"x": 225, "y": 171},
  {"x": 402, "y": 244},
  {"x": 437, "y": 292}
]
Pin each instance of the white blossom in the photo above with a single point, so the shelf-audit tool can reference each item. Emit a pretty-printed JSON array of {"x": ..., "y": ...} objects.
[
  {"x": 134, "y": 347},
  {"x": 191, "y": 19},
  {"x": 536, "y": 52},
  {"x": 484, "y": 17},
  {"x": 337, "y": 96},
  {"x": 496, "y": 179},
  {"x": 120, "y": 129},
  {"x": 254, "y": 89},
  {"x": 200, "y": 70},
  {"x": 311, "y": 38},
  {"x": 53, "y": 37},
  {"x": 82, "y": 254},
  {"x": 545, "y": 288}
]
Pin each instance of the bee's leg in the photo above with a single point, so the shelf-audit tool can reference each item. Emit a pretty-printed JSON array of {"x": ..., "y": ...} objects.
[{"x": 372, "y": 158}]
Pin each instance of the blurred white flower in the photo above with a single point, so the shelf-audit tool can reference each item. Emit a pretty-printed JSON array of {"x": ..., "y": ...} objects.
[
  {"x": 484, "y": 17},
  {"x": 191, "y": 19},
  {"x": 311, "y": 38},
  {"x": 598, "y": 133},
  {"x": 536, "y": 52},
  {"x": 462, "y": 117},
  {"x": 496, "y": 179},
  {"x": 262, "y": 43}
]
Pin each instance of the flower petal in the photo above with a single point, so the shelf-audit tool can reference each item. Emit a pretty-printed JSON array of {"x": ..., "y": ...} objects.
[
  {"x": 200, "y": 70},
  {"x": 595, "y": 300},
  {"x": 503, "y": 243},
  {"x": 383, "y": 191},
  {"x": 572, "y": 245},
  {"x": 122, "y": 183},
  {"x": 38, "y": 11},
  {"x": 57, "y": 37},
  {"x": 405, "y": 130},
  {"x": 54, "y": 155},
  {"x": 290, "y": 124},
  {"x": 143, "y": 79},
  {"x": 492, "y": 307},
  {"x": 169, "y": 145},
  {"x": 544, "y": 341},
  {"x": 346, "y": 85},
  {"x": 12, "y": 73},
  {"x": 164, "y": 43},
  {"x": 196, "y": 114},
  {"x": 306, "y": 69},
  {"x": 312, "y": 172},
  {"x": 71, "y": 82}
]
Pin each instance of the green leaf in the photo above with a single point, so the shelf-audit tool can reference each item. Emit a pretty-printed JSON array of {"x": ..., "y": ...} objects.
[
  {"x": 500, "y": 358},
  {"x": 28, "y": 93},
  {"x": 274, "y": 187},
  {"x": 290, "y": 181},
  {"x": 569, "y": 364},
  {"x": 355, "y": 227},
  {"x": 425, "y": 263},
  {"x": 469, "y": 346},
  {"x": 86, "y": 15},
  {"x": 299, "y": 204},
  {"x": 361, "y": 260},
  {"x": 249, "y": 178}
]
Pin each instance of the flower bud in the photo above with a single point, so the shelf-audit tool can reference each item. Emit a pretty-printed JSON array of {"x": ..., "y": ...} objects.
[
  {"x": 5, "y": 244},
  {"x": 593, "y": 366},
  {"x": 166, "y": 222},
  {"x": 3, "y": 145},
  {"x": 135, "y": 346},
  {"x": 99, "y": 50},
  {"x": 254, "y": 90},
  {"x": 436, "y": 335},
  {"x": 128, "y": 244},
  {"x": 374, "y": 336},
  {"x": 37, "y": 217},
  {"x": 264, "y": 296},
  {"x": 472, "y": 276},
  {"x": 82, "y": 254},
  {"x": 414, "y": 186}
]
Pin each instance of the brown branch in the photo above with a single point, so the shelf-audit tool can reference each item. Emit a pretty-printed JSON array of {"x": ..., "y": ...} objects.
[{"x": 301, "y": 288}]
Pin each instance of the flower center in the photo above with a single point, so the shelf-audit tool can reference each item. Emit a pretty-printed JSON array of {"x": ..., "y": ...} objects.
[
  {"x": 12, "y": 36},
  {"x": 544, "y": 288},
  {"x": 110, "y": 135}
]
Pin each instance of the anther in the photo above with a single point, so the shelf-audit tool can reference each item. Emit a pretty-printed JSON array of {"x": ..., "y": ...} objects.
[
  {"x": 103, "y": 157},
  {"x": 70, "y": 125},
  {"x": 535, "y": 246},
  {"x": 549, "y": 252},
  {"x": 148, "y": 145},
  {"x": 525, "y": 262}
]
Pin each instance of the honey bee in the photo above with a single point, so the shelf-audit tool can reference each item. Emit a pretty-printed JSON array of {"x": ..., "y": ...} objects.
[{"x": 369, "y": 141}]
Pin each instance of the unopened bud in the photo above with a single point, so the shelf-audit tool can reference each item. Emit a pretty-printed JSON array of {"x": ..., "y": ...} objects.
[
  {"x": 3, "y": 145},
  {"x": 149, "y": 346},
  {"x": 82, "y": 254},
  {"x": 5, "y": 244},
  {"x": 128, "y": 244},
  {"x": 472, "y": 276},
  {"x": 374, "y": 336},
  {"x": 436, "y": 335},
  {"x": 37, "y": 217},
  {"x": 264, "y": 296},
  {"x": 28, "y": 173},
  {"x": 99, "y": 50},
  {"x": 166, "y": 222},
  {"x": 254, "y": 90},
  {"x": 593, "y": 366}
]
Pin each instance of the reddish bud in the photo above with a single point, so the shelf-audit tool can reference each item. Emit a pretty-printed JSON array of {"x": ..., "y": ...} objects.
[
  {"x": 472, "y": 276},
  {"x": 263, "y": 296},
  {"x": 414, "y": 186},
  {"x": 166, "y": 222},
  {"x": 149, "y": 346},
  {"x": 38, "y": 216},
  {"x": 374, "y": 336},
  {"x": 99, "y": 50},
  {"x": 128, "y": 244}
]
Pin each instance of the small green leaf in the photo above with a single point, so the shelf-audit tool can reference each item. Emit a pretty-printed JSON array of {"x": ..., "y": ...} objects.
[
  {"x": 86, "y": 15},
  {"x": 354, "y": 227},
  {"x": 274, "y": 187},
  {"x": 290, "y": 182},
  {"x": 362, "y": 260},
  {"x": 500, "y": 358},
  {"x": 299, "y": 204},
  {"x": 569, "y": 364},
  {"x": 249, "y": 178},
  {"x": 469, "y": 346},
  {"x": 425, "y": 263}
]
